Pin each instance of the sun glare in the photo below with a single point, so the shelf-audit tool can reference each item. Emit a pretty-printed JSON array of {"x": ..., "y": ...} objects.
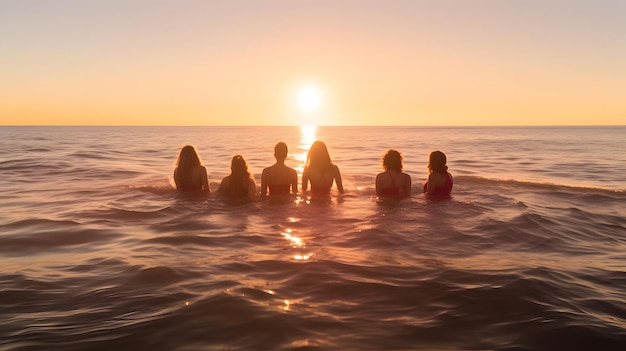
[
  {"x": 309, "y": 98},
  {"x": 307, "y": 137}
]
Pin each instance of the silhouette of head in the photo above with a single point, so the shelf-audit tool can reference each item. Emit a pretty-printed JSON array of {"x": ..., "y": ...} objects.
[
  {"x": 318, "y": 156},
  {"x": 280, "y": 151},
  {"x": 437, "y": 162},
  {"x": 239, "y": 167},
  {"x": 392, "y": 161},
  {"x": 188, "y": 158}
]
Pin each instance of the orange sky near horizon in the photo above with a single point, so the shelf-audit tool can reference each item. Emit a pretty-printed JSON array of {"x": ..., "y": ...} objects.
[{"x": 373, "y": 62}]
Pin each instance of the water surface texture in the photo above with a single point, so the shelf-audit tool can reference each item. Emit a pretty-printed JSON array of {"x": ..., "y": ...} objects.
[{"x": 99, "y": 252}]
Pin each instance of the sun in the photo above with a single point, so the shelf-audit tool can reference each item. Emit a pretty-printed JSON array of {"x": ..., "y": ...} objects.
[{"x": 309, "y": 98}]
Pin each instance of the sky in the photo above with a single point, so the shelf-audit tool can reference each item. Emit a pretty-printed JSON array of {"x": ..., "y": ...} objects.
[{"x": 387, "y": 62}]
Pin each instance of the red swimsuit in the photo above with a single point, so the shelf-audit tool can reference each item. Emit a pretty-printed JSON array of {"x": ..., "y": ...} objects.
[
  {"x": 393, "y": 191},
  {"x": 445, "y": 190}
]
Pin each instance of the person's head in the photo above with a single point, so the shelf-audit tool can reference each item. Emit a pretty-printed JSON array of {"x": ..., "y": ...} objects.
[
  {"x": 437, "y": 162},
  {"x": 239, "y": 167},
  {"x": 188, "y": 158},
  {"x": 318, "y": 156},
  {"x": 392, "y": 161},
  {"x": 280, "y": 151}
]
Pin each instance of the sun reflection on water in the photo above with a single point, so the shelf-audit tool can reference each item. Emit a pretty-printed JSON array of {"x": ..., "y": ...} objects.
[
  {"x": 296, "y": 243},
  {"x": 307, "y": 137}
]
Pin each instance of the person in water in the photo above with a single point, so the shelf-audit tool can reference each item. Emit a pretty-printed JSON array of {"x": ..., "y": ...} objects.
[
  {"x": 393, "y": 182},
  {"x": 439, "y": 184},
  {"x": 320, "y": 171},
  {"x": 280, "y": 179},
  {"x": 239, "y": 185},
  {"x": 190, "y": 174}
]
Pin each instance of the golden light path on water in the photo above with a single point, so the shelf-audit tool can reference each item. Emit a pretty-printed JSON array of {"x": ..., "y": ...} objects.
[
  {"x": 307, "y": 137},
  {"x": 296, "y": 243},
  {"x": 308, "y": 134}
]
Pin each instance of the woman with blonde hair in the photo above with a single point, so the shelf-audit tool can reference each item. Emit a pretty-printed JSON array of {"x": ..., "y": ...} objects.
[
  {"x": 190, "y": 174},
  {"x": 239, "y": 184},
  {"x": 320, "y": 171}
]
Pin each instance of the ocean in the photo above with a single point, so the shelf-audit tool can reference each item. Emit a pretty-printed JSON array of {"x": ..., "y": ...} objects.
[{"x": 99, "y": 252}]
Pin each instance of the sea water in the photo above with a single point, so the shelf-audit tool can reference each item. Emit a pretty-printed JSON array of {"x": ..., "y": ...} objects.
[{"x": 99, "y": 252}]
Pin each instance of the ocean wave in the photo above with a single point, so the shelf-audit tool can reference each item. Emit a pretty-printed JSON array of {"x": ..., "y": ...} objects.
[
  {"x": 549, "y": 187},
  {"x": 232, "y": 240},
  {"x": 117, "y": 213},
  {"x": 100, "y": 252},
  {"x": 34, "y": 235}
]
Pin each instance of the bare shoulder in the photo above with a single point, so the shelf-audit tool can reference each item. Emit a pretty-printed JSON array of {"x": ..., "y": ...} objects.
[
  {"x": 225, "y": 181},
  {"x": 437, "y": 178}
]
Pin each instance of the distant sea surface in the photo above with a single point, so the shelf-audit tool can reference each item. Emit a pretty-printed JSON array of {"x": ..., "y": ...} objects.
[{"x": 99, "y": 252}]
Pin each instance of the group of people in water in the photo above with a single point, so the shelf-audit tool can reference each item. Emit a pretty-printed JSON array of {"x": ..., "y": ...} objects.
[{"x": 319, "y": 172}]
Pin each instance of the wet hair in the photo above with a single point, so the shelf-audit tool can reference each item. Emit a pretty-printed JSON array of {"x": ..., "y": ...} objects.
[
  {"x": 186, "y": 162},
  {"x": 318, "y": 156},
  {"x": 392, "y": 160},
  {"x": 239, "y": 175},
  {"x": 437, "y": 162},
  {"x": 280, "y": 150}
]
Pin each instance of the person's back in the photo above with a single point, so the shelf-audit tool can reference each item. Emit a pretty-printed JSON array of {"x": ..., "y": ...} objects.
[
  {"x": 237, "y": 189},
  {"x": 439, "y": 185},
  {"x": 321, "y": 180},
  {"x": 440, "y": 181},
  {"x": 320, "y": 172},
  {"x": 393, "y": 182},
  {"x": 190, "y": 174},
  {"x": 278, "y": 178},
  {"x": 239, "y": 185},
  {"x": 190, "y": 181}
]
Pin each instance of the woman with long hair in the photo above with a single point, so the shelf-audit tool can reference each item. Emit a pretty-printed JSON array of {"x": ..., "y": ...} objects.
[
  {"x": 190, "y": 174},
  {"x": 239, "y": 184},
  {"x": 320, "y": 171},
  {"x": 439, "y": 184}
]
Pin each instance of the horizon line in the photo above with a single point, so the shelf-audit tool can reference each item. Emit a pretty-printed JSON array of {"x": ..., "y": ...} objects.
[{"x": 316, "y": 125}]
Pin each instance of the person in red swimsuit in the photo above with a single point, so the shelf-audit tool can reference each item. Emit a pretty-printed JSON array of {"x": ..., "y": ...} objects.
[
  {"x": 280, "y": 179},
  {"x": 439, "y": 184},
  {"x": 190, "y": 174},
  {"x": 393, "y": 182},
  {"x": 320, "y": 171}
]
